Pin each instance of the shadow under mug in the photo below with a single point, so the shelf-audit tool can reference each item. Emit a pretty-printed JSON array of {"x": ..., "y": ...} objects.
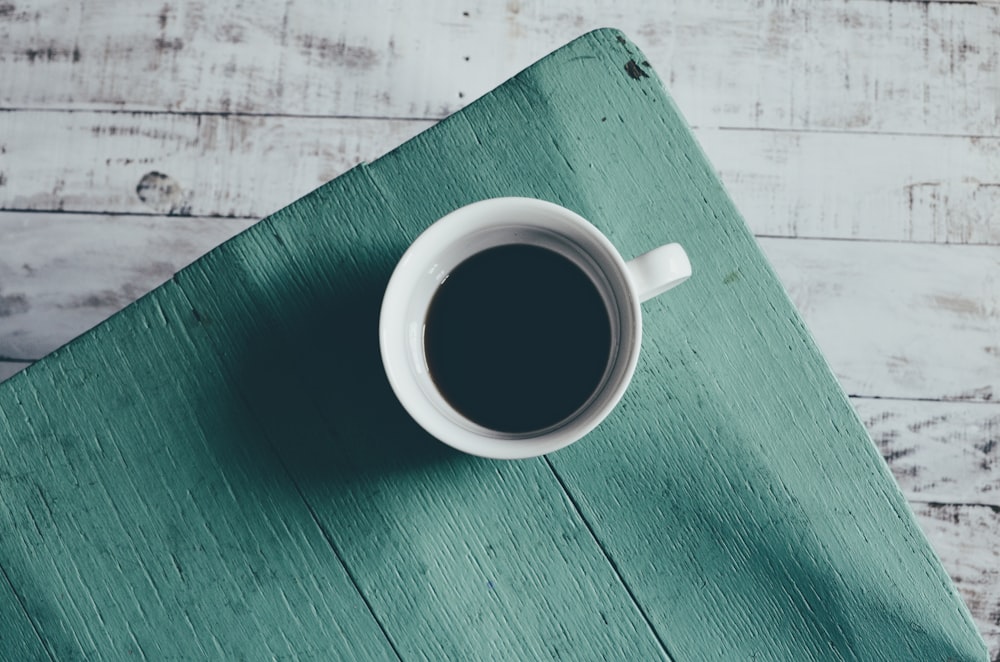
[{"x": 488, "y": 224}]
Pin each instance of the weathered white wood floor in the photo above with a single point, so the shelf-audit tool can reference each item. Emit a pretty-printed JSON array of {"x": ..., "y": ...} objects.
[{"x": 860, "y": 138}]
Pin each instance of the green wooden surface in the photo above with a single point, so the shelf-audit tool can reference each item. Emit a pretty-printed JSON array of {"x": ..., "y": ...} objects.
[{"x": 221, "y": 470}]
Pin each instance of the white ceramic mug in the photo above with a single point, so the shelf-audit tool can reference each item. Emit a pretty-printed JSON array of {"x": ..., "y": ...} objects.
[{"x": 496, "y": 222}]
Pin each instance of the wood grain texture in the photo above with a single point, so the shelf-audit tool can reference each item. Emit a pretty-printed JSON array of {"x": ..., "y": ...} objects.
[
  {"x": 787, "y": 183},
  {"x": 201, "y": 165},
  {"x": 943, "y": 452},
  {"x": 931, "y": 314},
  {"x": 900, "y": 67},
  {"x": 644, "y": 551},
  {"x": 862, "y": 185},
  {"x": 101, "y": 263},
  {"x": 129, "y": 533},
  {"x": 18, "y": 638}
]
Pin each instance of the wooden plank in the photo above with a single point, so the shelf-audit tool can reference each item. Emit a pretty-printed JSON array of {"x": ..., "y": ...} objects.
[
  {"x": 60, "y": 274},
  {"x": 787, "y": 183},
  {"x": 968, "y": 540},
  {"x": 862, "y": 186},
  {"x": 205, "y": 165},
  {"x": 909, "y": 297},
  {"x": 943, "y": 452},
  {"x": 874, "y": 66}
]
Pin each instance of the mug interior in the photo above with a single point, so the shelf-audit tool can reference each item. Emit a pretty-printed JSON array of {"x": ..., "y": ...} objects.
[{"x": 451, "y": 241}]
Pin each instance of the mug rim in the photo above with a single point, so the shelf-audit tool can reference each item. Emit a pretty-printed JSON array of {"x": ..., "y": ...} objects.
[{"x": 396, "y": 343}]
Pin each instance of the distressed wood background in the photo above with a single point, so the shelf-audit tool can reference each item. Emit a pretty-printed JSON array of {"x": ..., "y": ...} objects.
[{"x": 860, "y": 138}]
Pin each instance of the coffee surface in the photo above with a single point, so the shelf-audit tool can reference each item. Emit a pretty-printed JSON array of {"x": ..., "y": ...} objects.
[{"x": 517, "y": 338}]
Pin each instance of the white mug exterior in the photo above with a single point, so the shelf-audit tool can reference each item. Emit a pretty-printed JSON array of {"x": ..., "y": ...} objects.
[{"x": 495, "y": 222}]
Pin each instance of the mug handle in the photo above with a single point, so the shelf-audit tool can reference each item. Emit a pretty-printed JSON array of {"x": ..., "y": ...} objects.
[{"x": 660, "y": 269}]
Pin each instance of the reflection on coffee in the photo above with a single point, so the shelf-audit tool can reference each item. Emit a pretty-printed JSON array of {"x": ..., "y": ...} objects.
[{"x": 517, "y": 338}]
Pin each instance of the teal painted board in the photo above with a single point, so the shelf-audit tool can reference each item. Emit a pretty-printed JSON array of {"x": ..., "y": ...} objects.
[
  {"x": 227, "y": 450},
  {"x": 128, "y": 529}
]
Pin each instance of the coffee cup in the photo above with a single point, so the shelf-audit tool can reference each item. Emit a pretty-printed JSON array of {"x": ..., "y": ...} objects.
[{"x": 511, "y": 327}]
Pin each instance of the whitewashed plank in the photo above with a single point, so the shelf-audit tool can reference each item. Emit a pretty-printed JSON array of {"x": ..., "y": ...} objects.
[
  {"x": 945, "y": 452},
  {"x": 10, "y": 368},
  {"x": 61, "y": 274},
  {"x": 179, "y": 164},
  {"x": 899, "y": 320},
  {"x": 901, "y": 67},
  {"x": 863, "y": 186},
  {"x": 967, "y": 540}
]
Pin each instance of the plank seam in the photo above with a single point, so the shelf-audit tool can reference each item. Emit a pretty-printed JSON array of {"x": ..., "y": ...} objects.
[
  {"x": 224, "y": 114},
  {"x": 853, "y": 132},
  {"x": 614, "y": 566},
  {"x": 437, "y": 118},
  {"x": 298, "y": 490},
  {"x": 941, "y": 504},
  {"x": 920, "y": 242},
  {"x": 343, "y": 563},
  {"x": 969, "y": 401},
  {"x": 24, "y": 610},
  {"x": 981, "y": 3},
  {"x": 144, "y": 214}
]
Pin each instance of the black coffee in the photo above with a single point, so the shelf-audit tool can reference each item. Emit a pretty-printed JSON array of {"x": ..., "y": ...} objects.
[{"x": 517, "y": 338}]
